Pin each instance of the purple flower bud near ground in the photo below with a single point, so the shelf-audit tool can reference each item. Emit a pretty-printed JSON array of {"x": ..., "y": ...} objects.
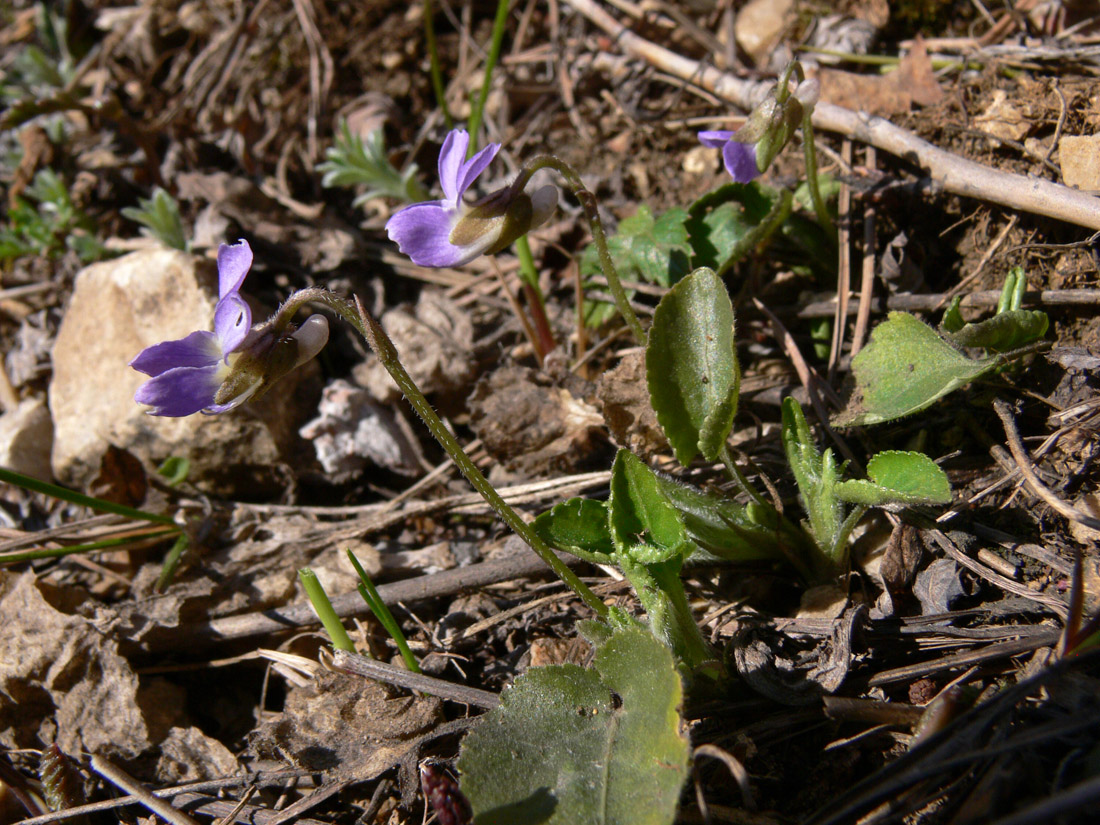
[
  {"x": 738, "y": 158},
  {"x": 751, "y": 149},
  {"x": 449, "y": 232},
  {"x": 213, "y": 372}
]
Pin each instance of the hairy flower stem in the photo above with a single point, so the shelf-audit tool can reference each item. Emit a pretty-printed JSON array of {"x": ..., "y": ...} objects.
[
  {"x": 808, "y": 147},
  {"x": 820, "y": 209},
  {"x": 592, "y": 213},
  {"x": 383, "y": 347}
]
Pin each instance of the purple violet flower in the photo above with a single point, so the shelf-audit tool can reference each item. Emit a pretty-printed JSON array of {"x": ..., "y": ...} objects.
[
  {"x": 186, "y": 373},
  {"x": 449, "y": 232},
  {"x": 738, "y": 158}
]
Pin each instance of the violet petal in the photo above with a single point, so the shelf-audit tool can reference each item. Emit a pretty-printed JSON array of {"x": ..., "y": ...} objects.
[
  {"x": 740, "y": 161},
  {"x": 234, "y": 261},
  {"x": 199, "y": 349},
  {"x": 715, "y": 140},
  {"x": 422, "y": 231},
  {"x": 181, "y": 391},
  {"x": 232, "y": 322},
  {"x": 475, "y": 166},
  {"x": 452, "y": 158}
]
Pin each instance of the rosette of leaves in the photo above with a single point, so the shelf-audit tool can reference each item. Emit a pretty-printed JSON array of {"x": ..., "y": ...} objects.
[{"x": 357, "y": 162}]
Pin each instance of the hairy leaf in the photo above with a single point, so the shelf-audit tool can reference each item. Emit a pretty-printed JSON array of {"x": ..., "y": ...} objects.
[
  {"x": 691, "y": 366},
  {"x": 569, "y": 746},
  {"x": 898, "y": 477},
  {"x": 578, "y": 526},
  {"x": 904, "y": 369},
  {"x": 645, "y": 527}
]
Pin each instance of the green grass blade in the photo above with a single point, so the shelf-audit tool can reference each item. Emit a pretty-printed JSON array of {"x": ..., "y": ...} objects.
[{"x": 73, "y": 497}]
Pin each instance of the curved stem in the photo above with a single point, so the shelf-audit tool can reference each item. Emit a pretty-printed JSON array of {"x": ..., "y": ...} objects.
[
  {"x": 376, "y": 337},
  {"x": 592, "y": 214}
]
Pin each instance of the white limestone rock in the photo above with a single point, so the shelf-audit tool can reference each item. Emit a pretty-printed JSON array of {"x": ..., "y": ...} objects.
[
  {"x": 26, "y": 435},
  {"x": 118, "y": 308}
]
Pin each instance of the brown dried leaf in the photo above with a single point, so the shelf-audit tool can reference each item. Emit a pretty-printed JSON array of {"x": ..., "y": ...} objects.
[
  {"x": 61, "y": 680},
  {"x": 533, "y": 427},
  {"x": 348, "y": 726},
  {"x": 623, "y": 398}
]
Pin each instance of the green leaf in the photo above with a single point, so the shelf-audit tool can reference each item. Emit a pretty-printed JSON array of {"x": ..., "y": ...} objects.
[
  {"x": 1008, "y": 331},
  {"x": 578, "y": 526},
  {"x": 816, "y": 474},
  {"x": 904, "y": 369},
  {"x": 691, "y": 366},
  {"x": 569, "y": 746},
  {"x": 355, "y": 162},
  {"x": 720, "y": 220},
  {"x": 646, "y": 249},
  {"x": 722, "y": 527},
  {"x": 1011, "y": 328},
  {"x": 952, "y": 320},
  {"x": 898, "y": 477},
  {"x": 160, "y": 217},
  {"x": 645, "y": 527},
  {"x": 1012, "y": 293},
  {"x": 174, "y": 470}
]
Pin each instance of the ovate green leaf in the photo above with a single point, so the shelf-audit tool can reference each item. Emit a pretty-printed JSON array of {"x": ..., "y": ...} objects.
[
  {"x": 898, "y": 477},
  {"x": 904, "y": 369},
  {"x": 569, "y": 746},
  {"x": 691, "y": 366},
  {"x": 719, "y": 220}
]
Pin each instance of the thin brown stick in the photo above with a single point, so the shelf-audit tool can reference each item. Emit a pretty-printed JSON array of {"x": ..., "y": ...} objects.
[
  {"x": 116, "y": 776},
  {"x": 955, "y": 174},
  {"x": 391, "y": 674},
  {"x": 1027, "y": 469},
  {"x": 444, "y": 583},
  {"x": 867, "y": 280}
]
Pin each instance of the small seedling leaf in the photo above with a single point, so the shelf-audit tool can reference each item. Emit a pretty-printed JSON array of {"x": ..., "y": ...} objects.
[
  {"x": 645, "y": 527},
  {"x": 904, "y": 369},
  {"x": 578, "y": 526},
  {"x": 898, "y": 477},
  {"x": 569, "y": 746},
  {"x": 691, "y": 366}
]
